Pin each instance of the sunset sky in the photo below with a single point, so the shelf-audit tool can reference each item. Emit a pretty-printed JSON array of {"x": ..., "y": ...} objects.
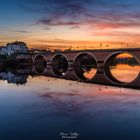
[{"x": 61, "y": 23}]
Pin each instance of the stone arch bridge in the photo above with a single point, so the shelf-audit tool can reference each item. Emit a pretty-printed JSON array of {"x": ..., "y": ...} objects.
[{"x": 70, "y": 62}]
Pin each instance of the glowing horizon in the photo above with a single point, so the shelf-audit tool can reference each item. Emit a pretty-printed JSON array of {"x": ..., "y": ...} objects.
[{"x": 58, "y": 24}]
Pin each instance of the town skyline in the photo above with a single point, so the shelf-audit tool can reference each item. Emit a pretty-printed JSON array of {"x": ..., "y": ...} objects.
[{"x": 58, "y": 24}]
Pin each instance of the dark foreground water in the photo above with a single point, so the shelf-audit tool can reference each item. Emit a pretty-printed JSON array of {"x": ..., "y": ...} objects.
[{"x": 47, "y": 109}]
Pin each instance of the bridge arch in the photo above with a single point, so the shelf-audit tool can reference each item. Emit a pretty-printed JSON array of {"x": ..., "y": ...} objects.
[
  {"x": 107, "y": 64},
  {"x": 37, "y": 56},
  {"x": 83, "y": 64},
  {"x": 59, "y": 64}
]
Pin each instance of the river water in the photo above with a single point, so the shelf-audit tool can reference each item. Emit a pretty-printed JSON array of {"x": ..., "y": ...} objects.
[
  {"x": 45, "y": 108},
  {"x": 34, "y": 107}
]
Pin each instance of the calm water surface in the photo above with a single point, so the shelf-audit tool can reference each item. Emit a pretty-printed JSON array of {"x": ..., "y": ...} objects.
[{"x": 44, "y": 107}]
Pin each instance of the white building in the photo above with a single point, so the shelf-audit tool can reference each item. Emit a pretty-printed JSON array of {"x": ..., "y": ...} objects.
[
  {"x": 14, "y": 47},
  {"x": 3, "y": 50}
]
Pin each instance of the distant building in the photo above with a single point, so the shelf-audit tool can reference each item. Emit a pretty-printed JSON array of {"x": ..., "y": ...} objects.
[
  {"x": 67, "y": 50},
  {"x": 14, "y": 47},
  {"x": 3, "y": 50},
  {"x": 33, "y": 50},
  {"x": 57, "y": 50}
]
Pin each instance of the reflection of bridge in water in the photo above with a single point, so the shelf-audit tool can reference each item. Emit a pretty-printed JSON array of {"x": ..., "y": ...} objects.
[{"x": 71, "y": 65}]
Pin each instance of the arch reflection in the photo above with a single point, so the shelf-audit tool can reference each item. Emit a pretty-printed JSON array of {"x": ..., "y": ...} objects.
[
  {"x": 85, "y": 66},
  {"x": 39, "y": 69},
  {"x": 59, "y": 65},
  {"x": 122, "y": 68}
]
